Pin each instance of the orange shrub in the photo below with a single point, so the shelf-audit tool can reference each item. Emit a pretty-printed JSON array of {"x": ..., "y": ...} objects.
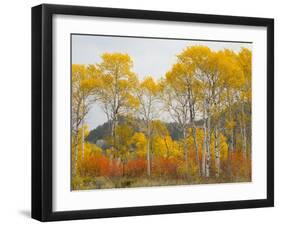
[
  {"x": 166, "y": 167},
  {"x": 136, "y": 167},
  {"x": 240, "y": 167},
  {"x": 99, "y": 165},
  {"x": 114, "y": 169},
  {"x": 92, "y": 165}
]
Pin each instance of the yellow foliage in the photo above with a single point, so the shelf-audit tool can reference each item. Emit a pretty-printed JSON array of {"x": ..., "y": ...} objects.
[
  {"x": 140, "y": 141},
  {"x": 150, "y": 85},
  {"x": 117, "y": 82},
  {"x": 230, "y": 124},
  {"x": 212, "y": 83},
  {"x": 229, "y": 68},
  {"x": 166, "y": 147}
]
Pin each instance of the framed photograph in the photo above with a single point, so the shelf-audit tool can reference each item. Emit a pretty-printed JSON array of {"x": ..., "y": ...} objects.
[{"x": 145, "y": 112}]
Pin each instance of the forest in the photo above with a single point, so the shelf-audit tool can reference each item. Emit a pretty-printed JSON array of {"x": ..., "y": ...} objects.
[{"x": 191, "y": 126}]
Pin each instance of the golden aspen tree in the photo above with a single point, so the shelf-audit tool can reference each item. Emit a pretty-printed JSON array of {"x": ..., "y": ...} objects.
[
  {"x": 84, "y": 85},
  {"x": 176, "y": 102},
  {"x": 245, "y": 61},
  {"x": 200, "y": 60},
  {"x": 233, "y": 78},
  {"x": 116, "y": 92},
  {"x": 148, "y": 96},
  {"x": 206, "y": 96},
  {"x": 191, "y": 85}
]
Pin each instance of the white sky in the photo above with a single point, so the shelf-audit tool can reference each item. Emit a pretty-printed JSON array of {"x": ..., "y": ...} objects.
[{"x": 150, "y": 57}]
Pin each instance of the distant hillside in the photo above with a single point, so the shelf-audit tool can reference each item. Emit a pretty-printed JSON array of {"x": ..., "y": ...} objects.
[
  {"x": 98, "y": 133},
  {"x": 103, "y": 130}
]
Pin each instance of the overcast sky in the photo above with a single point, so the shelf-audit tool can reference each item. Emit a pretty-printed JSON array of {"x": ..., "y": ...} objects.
[{"x": 150, "y": 57}]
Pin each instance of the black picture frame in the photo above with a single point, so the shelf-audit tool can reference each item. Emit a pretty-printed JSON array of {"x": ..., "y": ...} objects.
[{"x": 42, "y": 107}]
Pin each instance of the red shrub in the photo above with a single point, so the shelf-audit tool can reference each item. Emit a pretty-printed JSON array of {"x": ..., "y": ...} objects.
[
  {"x": 99, "y": 165},
  {"x": 114, "y": 169},
  {"x": 165, "y": 167},
  {"x": 136, "y": 167},
  {"x": 93, "y": 165},
  {"x": 240, "y": 166}
]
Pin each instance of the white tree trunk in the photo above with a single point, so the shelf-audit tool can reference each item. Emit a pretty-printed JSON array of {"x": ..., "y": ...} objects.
[
  {"x": 82, "y": 140},
  {"x": 82, "y": 132},
  {"x": 244, "y": 134},
  {"x": 208, "y": 152},
  {"x": 75, "y": 155},
  {"x": 76, "y": 145},
  {"x": 204, "y": 144},
  {"x": 217, "y": 152},
  {"x": 185, "y": 149},
  {"x": 148, "y": 148},
  {"x": 231, "y": 141},
  {"x": 192, "y": 118},
  {"x": 148, "y": 158},
  {"x": 196, "y": 148},
  {"x": 113, "y": 135},
  {"x": 244, "y": 142}
]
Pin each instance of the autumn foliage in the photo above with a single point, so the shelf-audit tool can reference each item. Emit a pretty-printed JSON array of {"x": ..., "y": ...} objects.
[{"x": 207, "y": 96}]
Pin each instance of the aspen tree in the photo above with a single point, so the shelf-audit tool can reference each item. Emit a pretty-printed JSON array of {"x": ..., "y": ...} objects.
[
  {"x": 148, "y": 97},
  {"x": 116, "y": 92}
]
